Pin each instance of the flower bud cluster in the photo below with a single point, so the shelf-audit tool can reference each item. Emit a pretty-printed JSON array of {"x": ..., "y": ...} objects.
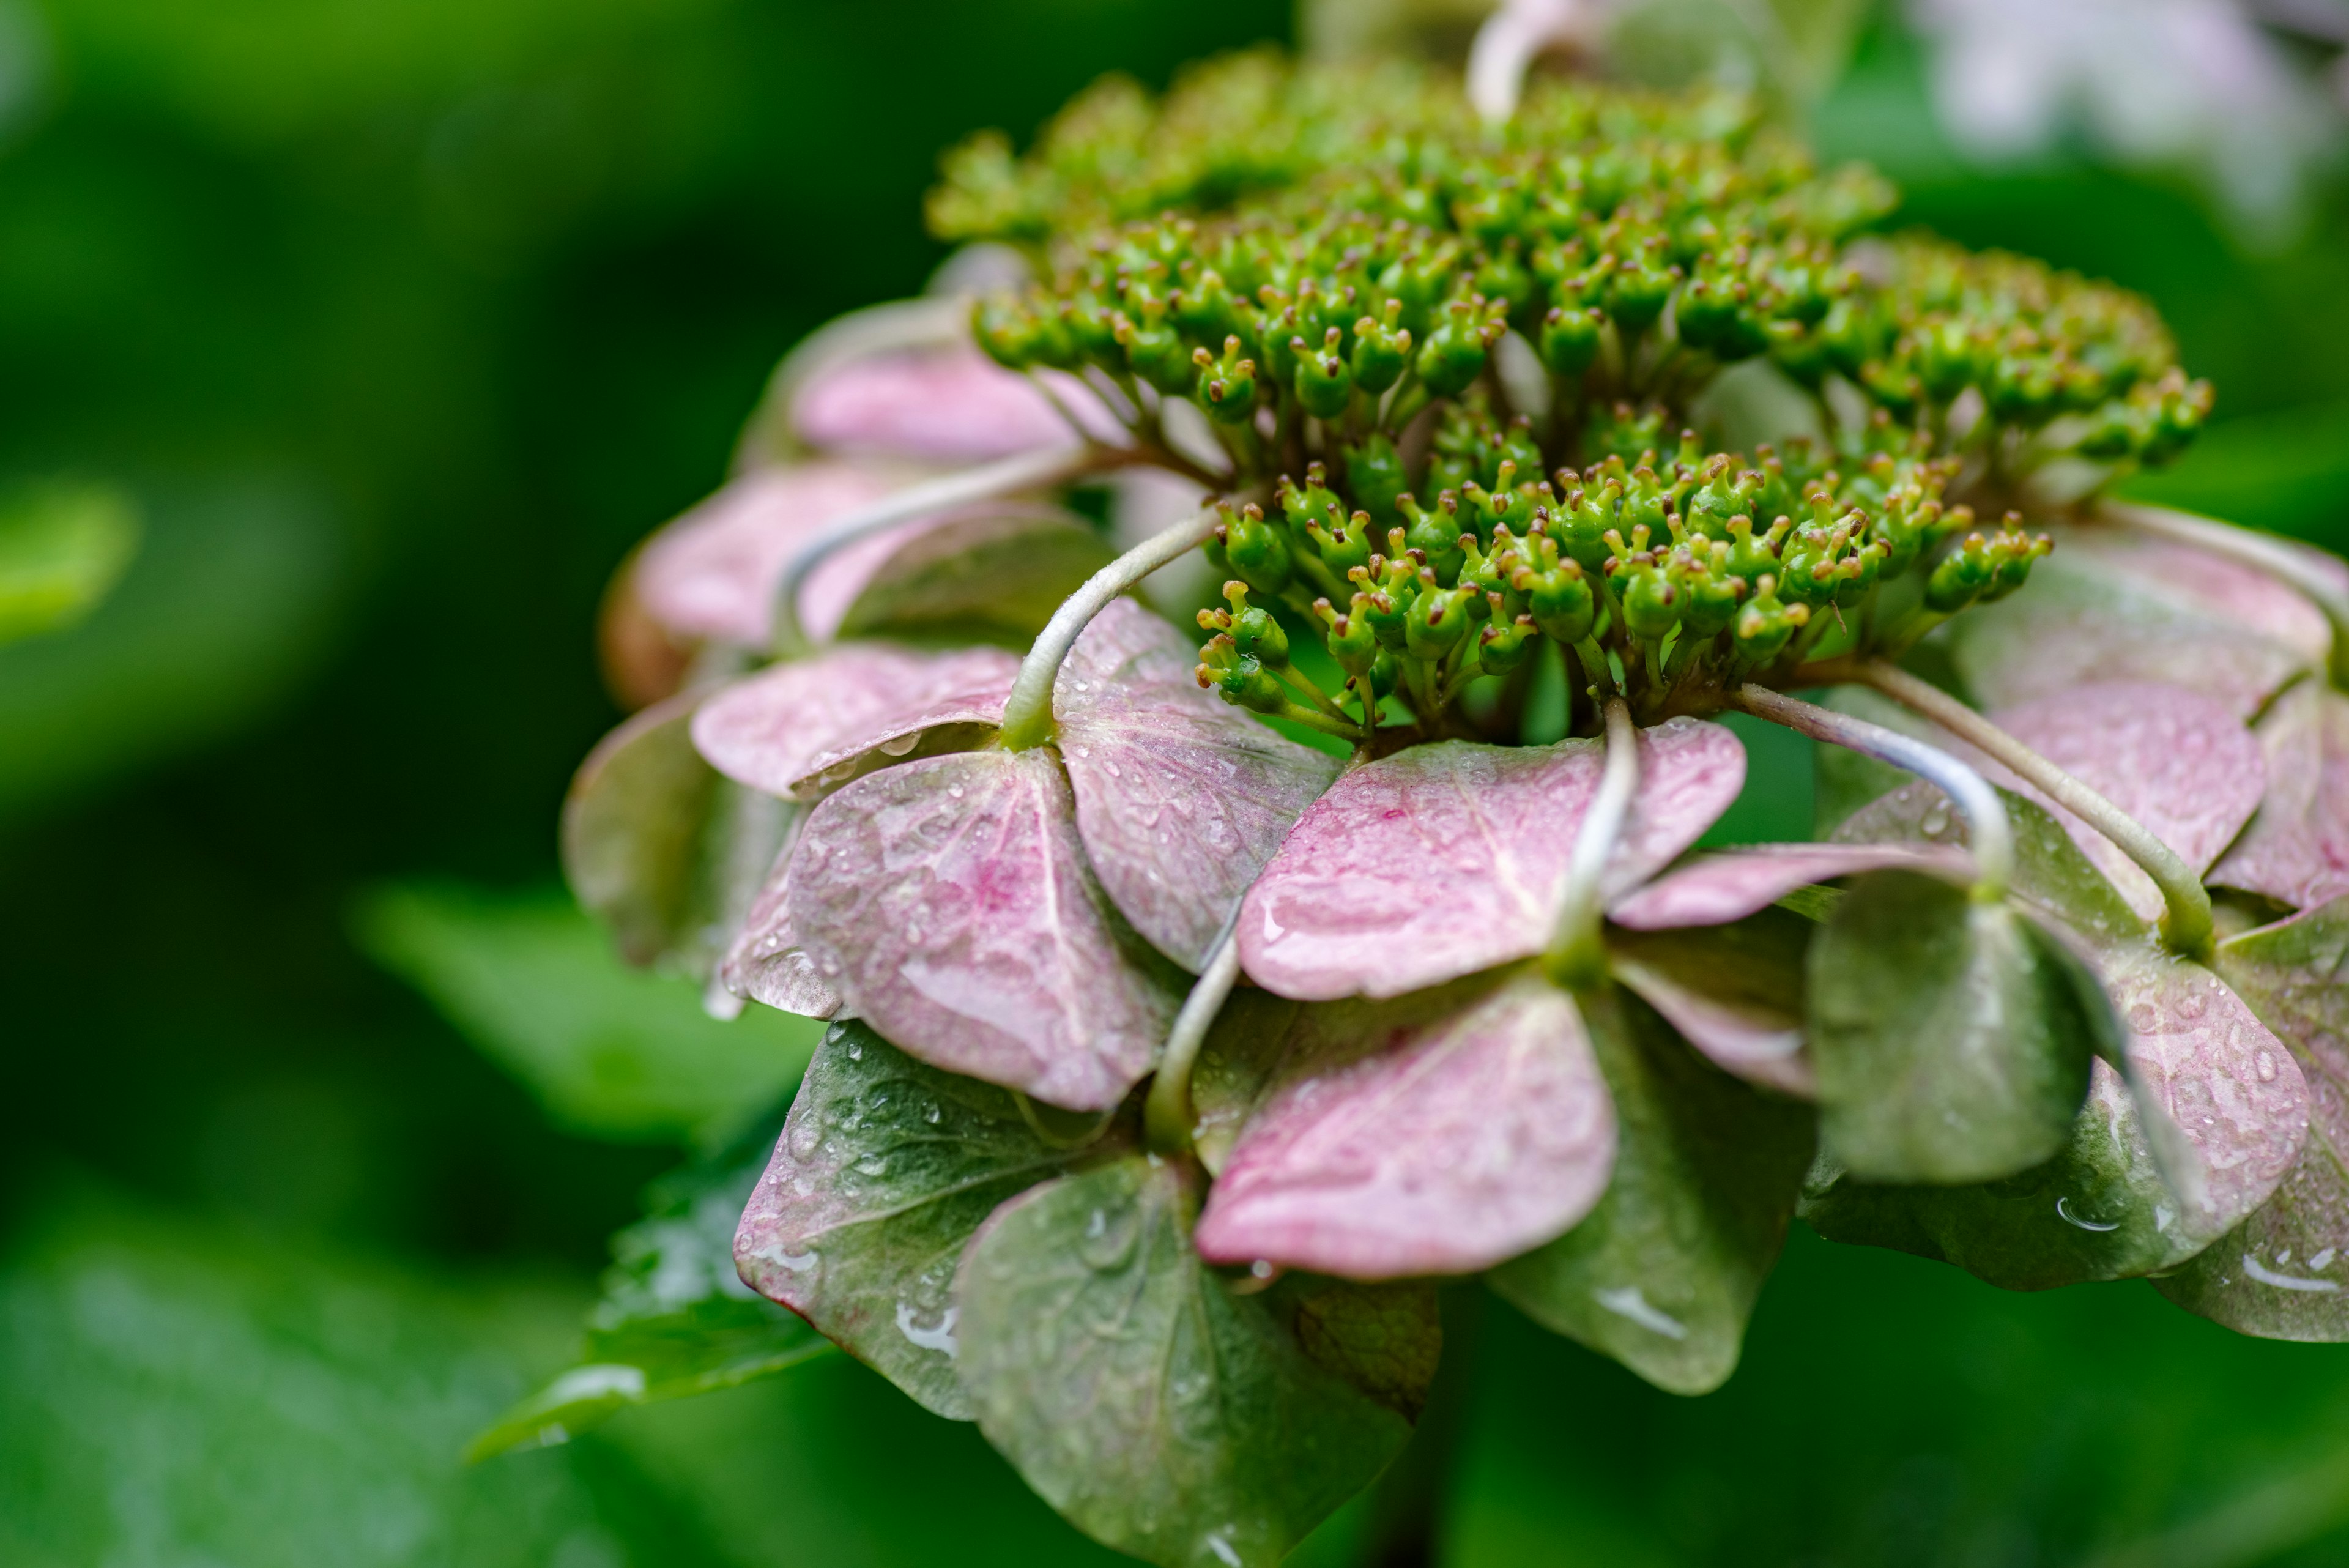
[{"x": 1670, "y": 580}]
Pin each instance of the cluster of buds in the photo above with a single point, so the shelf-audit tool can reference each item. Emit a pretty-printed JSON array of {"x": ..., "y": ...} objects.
[{"x": 1653, "y": 576}]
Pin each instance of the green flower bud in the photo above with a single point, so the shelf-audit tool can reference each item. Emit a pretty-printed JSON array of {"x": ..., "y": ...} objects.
[
  {"x": 1325, "y": 383},
  {"x": 1226, "y": 385},
  {"x": 1766, "y": 625},
  {"x": 1568, "y": 341},
  {"x": 1241, "y": 681},
  {"x": 1504, "y": 644},
  {"x": 1155, "y": 352},
  {"x": 1374, "y": 474},
  {"x": 1435, "y": 534},
  {"x": 1558, "y": 598},
  {"x": 1455, "y": 352},
  {"x": 1207, "y": 310},
  {"x": 1750, "y": 558},
  {"x": 1960, "y": 577},
  {"x": 1709, "y": 592},
  {"x": 1254, "y": 632},
  {"x": 1349, "y": 637},
  {"x": 1439, "y": 619},
  {"x": 1381, "y": 350},
  {"x": 1651, "y": 606},
  {"x": 1258, "y": 550}
]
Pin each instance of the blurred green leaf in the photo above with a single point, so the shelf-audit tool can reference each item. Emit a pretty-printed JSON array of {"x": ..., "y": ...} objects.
[
  {"x": 63, "y": 548},
  {"x": 174, "y": 1392},
  {"x": 1949, "y": 1043},
  {"x": 2287, "y": 473},
  {"x": 229, "y": 603},
  {"x": 611, "y": 1051},
  {"x": 674, "y": 1320}
]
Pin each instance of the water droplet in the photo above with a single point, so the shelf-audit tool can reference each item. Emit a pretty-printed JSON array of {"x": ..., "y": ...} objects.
[
  {"x": 2063, "y": 1211},
  {"x": 898, "y": 745},
  {"x": 2267, "y": 1068},
  {"x": 953, "y": 791},
  {"x": 1937, "y": 820}
]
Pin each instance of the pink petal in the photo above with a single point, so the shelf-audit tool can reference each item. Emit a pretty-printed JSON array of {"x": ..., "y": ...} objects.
[
  {"x": 1445, "y": 859},
  {"x": 946, "y": 405},
  {"x": 806, "y": 726},
  {"x": 2296, "y": 850},
  {"x": 2181, "y": 763},
  {"x": 1181, "y": 797},
  {"x": 1421, "y": 1138},
  {"x": 768, "y": 962},
  {"x": 2230, "y": 1085},
  {"x": 949, "y": 903},
  {"x": 1003, "y": 563},
  {"x": 1719, "y": 888},
  {"x": 712, "y": 574},
  {"x": 2111, "y": 605},
  {"x": 1743, "y": 1036}
]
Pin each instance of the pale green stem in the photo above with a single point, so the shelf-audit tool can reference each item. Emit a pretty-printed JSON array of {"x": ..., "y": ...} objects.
[
  {"x": 1027, "y": 715},
  {"x": 2282, "y": 559},
  {"x": 1988, "y": 833},
  {"x": 1575, "y": 957},
  {"x": 2186, "y": 924},
  {"x": 1168, "y": 1116},
  {"x": 1009, "y": 477}
]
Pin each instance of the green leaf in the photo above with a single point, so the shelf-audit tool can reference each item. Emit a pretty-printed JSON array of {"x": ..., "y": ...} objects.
[
  {"x": 1161, "y": 1412},
  {"x": 609, "y": 1050},
  {"x": 173, "y": 1390},
  {"x": 1663, "y": 1274},
  {"x": 661, "y": 849},
  {"x": 63, "y": 548},
  {"x": 674, "y": 1320},
  {"x": 1950, "y": 1046},
  {"x": 2280, "y": 1273},
  {"x": 885, "y": 1168},
  {"x": 1000, "y": 571},
  {"x": 1384, "y": 1339}
]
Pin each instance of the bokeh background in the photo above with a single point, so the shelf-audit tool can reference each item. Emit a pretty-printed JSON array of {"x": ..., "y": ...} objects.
[{"x": 400, "y": 323}]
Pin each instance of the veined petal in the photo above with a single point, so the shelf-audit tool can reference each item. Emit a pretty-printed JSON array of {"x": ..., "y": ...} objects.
[
  {"x": 2296, "y": 850},
  {"x": 1718, "y": 888},
  {"x": 947, "y": 405},
  {"x": 768, "y": 962},
  {"x": 950, "y": 904},
  {"x": 1181, "y": 797},
  {"x": 712, "y": 574},
  {"x": 1438, "y": 1135},
  {"x": 2113, "y": 605},
  {"x": 1446, "y": 860},
  {"x": 810, "y": 725}
]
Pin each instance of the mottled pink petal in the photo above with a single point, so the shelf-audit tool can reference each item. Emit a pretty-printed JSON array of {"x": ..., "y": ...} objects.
[
  {"x": 713, "y": 573},
  {"x": 2181, "y": 763},
  {"x": 2230, "y": 1085},
  {"x": 1420, "y": 1137},
  {"x": 2114, "y": 604},
  {"x": 1181, "y": 797},
  {"x": 2296, "y": 850},
  {"x": 810, "y": 725},
  {"x": 767, "y": 963},
  {"x": 1000, "y": 564},
  {"x": 951, "y": 405},
  {"x": 949, "y": 903},
  {"x": 1718, "y": 888},
  {"x": 1445, "y": 859}
]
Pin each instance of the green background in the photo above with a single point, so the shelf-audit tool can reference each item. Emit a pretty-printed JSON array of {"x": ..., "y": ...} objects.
[{"x": 403, "y": 321}]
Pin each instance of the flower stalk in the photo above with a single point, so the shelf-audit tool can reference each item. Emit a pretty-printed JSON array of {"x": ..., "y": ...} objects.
[
  {"x": 1575, "y": 957},
  {"x": 1168, "y": 1116},
  {"x": 2186, "y": 922},
  {"x": 1989, "y": 833}
]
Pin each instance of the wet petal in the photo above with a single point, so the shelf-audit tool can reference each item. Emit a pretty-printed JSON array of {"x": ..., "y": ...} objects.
[
  {"x": 2284, "y": 1271},
  {"x": 712, "y": 574},
  {"x": 1181, "y": 797},
  {"x": 1439, "y": 1135},
  {"x": 768, "y": 962},
  {"x": 2181, "y": 763},
  {"x": 810, "y": 725},
  {"x": 2296, "y": 850},
  {"x": 949, "y": 902},
  {"x": 999, "y": 569},
  {"x": 2110, "y": 605},
  {"x": 1718, "y": 888},
  {"x": 1445, "y": 859},
  {"x": 947, "y": 405}
]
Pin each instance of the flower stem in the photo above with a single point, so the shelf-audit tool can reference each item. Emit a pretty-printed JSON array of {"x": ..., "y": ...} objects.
[
  {"x": 1988, "y": 832},
  {"x": 1167, "y": 1116},
  {"x": 1576, "y": 958},
  {"x": 1027, "y": 715},
  {"x": 2282, "y": 559},
  {"x": 2186, "y": 924},
  {"x": 1026, "y": 470}
]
